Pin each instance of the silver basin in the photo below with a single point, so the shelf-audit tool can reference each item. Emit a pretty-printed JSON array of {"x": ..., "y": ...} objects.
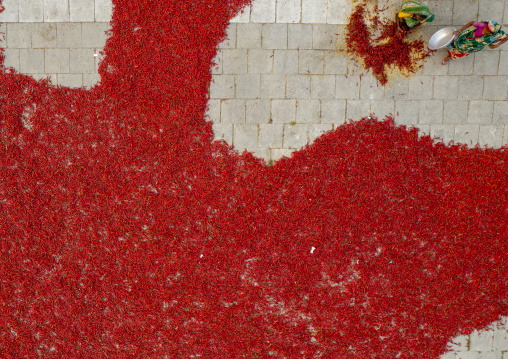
[{"x": 441, "y": 38}]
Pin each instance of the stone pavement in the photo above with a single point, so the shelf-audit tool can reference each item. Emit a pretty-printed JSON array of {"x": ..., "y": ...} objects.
[{"x": 281, "y": 80}]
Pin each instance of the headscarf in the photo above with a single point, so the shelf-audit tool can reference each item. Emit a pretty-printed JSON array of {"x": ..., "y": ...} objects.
[
  {"x": 466, "y": 42},
  {"x": 412, "y": 9}
]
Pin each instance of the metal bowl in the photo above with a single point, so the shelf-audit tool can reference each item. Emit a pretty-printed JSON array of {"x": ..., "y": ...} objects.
[{"x": 442, "y": 38}]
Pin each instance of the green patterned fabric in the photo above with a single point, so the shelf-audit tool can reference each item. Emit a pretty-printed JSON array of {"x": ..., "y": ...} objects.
[
  {"x": 467, "y": 43},
  {"x": 417, "y": 10}
]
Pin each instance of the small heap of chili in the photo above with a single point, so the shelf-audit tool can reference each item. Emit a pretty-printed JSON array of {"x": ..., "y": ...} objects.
[{"x": 390, "y": 50}]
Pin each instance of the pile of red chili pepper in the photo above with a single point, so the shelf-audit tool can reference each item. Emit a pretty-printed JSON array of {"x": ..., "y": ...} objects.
[
  {"x": 391, "y": 49},
  {"x": 127, "y": 232}
]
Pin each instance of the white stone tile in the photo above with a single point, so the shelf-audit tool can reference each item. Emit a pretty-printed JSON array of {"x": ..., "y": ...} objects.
[
  {"x": 262, "y": 11},
  {"x": 243, "y": 15},
  {"x": 338, "y": 11},
  {"x": 289, "y": 11},
  {"x": 314, "y": 11},
  {"x": 56, "y": 11},
  {"x": 82, "y": 10},
  {"x": 11, "y": 11},
  {"x": 492, "y": 136},
  {"x": 31, "y": 10},
  {"x": 103, "y": 10}
]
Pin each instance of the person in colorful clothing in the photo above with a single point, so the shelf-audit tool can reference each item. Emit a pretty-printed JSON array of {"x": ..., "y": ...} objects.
[
  {"x": 412, "y": 14},
  {"x": 474, "y": 39}
]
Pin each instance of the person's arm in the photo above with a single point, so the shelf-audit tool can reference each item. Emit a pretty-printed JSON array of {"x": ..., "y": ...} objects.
[
  {"x": 464, "y": 27},
  {"x": 498, "y": 43}
]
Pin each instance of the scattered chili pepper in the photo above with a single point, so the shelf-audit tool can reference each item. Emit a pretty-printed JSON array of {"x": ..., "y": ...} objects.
[
  {"x": 126, "y": 231},
  {"x": 390, "y": 48}
]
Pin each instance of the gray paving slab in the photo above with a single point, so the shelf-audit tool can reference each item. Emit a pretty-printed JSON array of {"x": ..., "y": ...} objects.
[
  {"x": 43, "y": 35},
  {"x": 68, "y": 35},
  {"x": 245, "y": 135},
  {"x": 335, "y": 63},
  {"x": 274, "y": 36},
  {"x": 295, "y": 135},
  {"x": 32, "y": 61},
  {"x": 103, "y": 10},
  {"x": 310, "y": 61},
  {"x": 307, "y": 111},
  {"x": 495, "y": 87},
  {"x": 470, "y": 88},
  {"x": 248, "y": 86},
  {"x": 243, "y": 16},
  {"x": 263, "y": 11},
  {"x": 217, "y": 60},
  {"x": 288, "y": 11},
  {"x": 12, "y": 58},
  {"x": 11, "y": 11},
  {"x": 314, "y": 11},
  {"x": 316, "y": 130},
  {"x": 397, "y": 89},
  {"x": 357, "y": 109},
  {"x": 491, "y": 135},
  {"x": 444, "y": 132},
  {"x": 370, "y": 89},
  {"x": 31, "y": 10},
  {"x": 333, "y": 111},
  {"x": 486, "y": 62},
  {"x": 278, "y": 153},
  {"x": 70, "y": 80},
  {"x": 300, "y": 36},
  {"x": 230, "y": 40},
  {"x": 94, "y": 34},
  {"x": 213, "y": 112},
  {"x": 257, "y": 111},
  {"x": 82, "y": 10},
  {"x": 270, "y": 135},
  {"x": 56, "y": 11},
  {"x": 273, "y": 86},
  {"x": 324, "y": 37},
  {"x": 347, "y": 87},
  {"x": 222, "y": 86},
  {"x": 480, "y": 112},
  {"x": 464, "y": 11},
  {"x": 431, "y": 112},
  {"x": 18, "y": 35},
  {"x": 382, "y": 108},
  {"x": 500, "y": 112},
  {"x": 81, "y": 61},
  {"x": 467, "y": 134},
  {"x": 446, "y": 87},
  {"x": 421, "y": 87},
  {"x": 455, "y": 112},
  {"x": 248, "y": 36},
  {"x": 285, "y": 62},
  {"x": 234, "y": 61},
  {"x": 298, "y": 86},
  {"x": 407, "y": 112},
  {"x": 57, "y": 61},
  {"x": 223, "y": 132},
  {"x": 283, "y": 111},
  {"x": 260, "y": 61},
  {"x": 322, "y": 87},
  {"x": 232, "y": 111},
  {"x": 503, "y": 60}
]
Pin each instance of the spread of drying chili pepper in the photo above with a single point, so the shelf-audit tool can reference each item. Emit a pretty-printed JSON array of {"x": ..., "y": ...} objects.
[
  {"x": 391, "y": 49},
  {"x": 127, "y": 232}
]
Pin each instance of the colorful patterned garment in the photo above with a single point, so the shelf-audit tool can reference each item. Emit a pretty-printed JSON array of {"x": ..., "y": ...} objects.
[
  {"x": 414, "y": 13},
  {"x": 467, "y": 43}
]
